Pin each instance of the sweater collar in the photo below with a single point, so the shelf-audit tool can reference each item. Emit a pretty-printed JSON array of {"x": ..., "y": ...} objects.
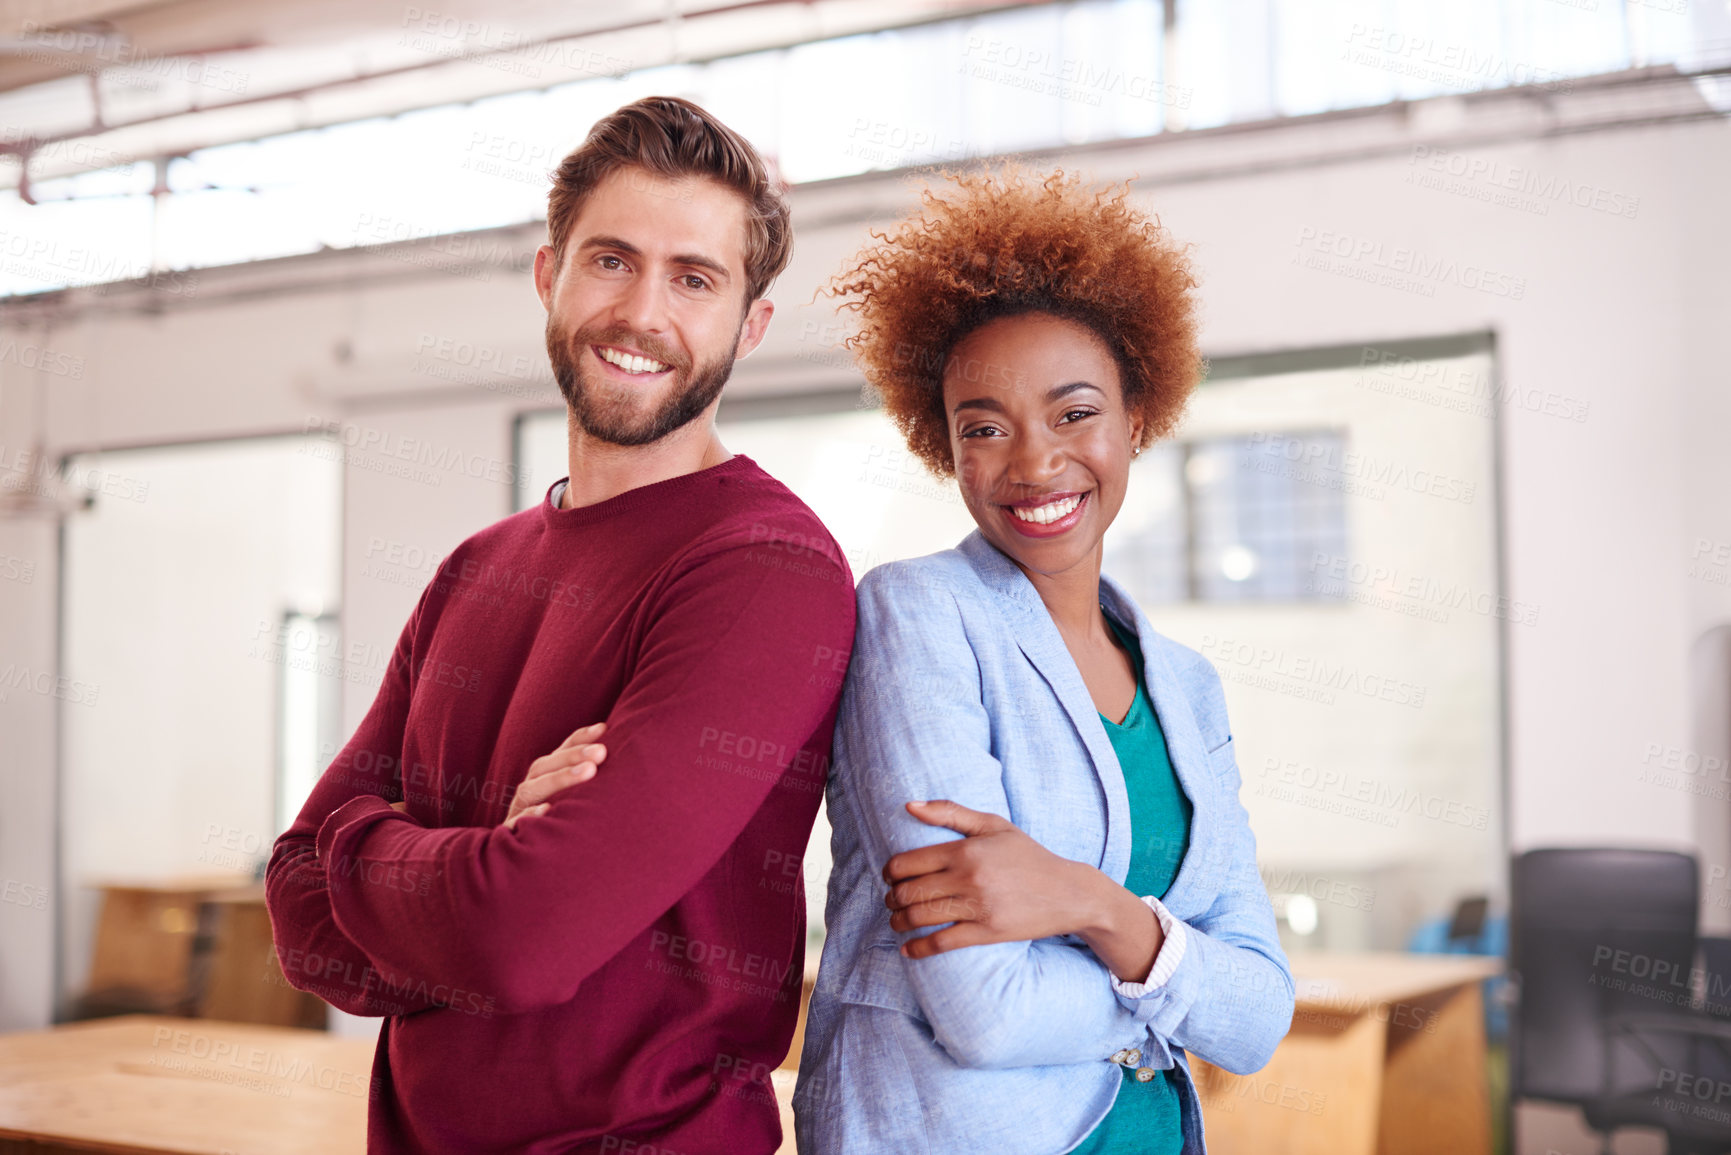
[{"x": 644, "y": 496}]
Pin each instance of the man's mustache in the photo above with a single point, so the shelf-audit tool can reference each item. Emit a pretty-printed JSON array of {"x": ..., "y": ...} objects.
[{"x": 651, "y": 347}]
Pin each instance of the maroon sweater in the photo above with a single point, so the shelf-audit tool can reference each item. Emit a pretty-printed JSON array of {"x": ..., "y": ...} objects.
[{"x": 626, "y": 968}]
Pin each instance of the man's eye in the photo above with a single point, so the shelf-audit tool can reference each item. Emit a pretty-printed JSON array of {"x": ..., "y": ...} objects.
[
  {"x": 611, "y": 262},
  {"x": 694, "y": 281}
]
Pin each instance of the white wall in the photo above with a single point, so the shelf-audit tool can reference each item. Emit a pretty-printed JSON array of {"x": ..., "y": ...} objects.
[{"x": 1602, "y": 515}]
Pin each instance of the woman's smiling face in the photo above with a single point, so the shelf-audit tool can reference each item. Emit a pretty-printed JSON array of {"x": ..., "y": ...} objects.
[{"x": 1041, "y": 437}]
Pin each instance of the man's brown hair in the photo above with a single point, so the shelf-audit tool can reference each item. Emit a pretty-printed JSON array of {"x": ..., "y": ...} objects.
[{"x": 675, "y": 138}]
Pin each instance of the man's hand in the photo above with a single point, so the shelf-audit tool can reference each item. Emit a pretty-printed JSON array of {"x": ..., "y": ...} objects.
[
  {"x": 574, "y": 761},
  {"x": 999, "y": 885}
]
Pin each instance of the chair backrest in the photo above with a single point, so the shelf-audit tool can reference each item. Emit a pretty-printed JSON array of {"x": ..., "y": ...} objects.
[
  {"x": 1469, "y": 918},
  {"x": 1592, "y": 933}
]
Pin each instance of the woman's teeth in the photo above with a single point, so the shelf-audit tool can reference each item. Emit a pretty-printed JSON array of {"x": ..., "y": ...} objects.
[
  {"x": 630, "y": 362},
  {"x": 1048, "y": 513}
]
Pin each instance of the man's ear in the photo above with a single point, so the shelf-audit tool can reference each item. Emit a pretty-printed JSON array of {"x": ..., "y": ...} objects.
[
  {"x": 546, "y": 267},
  {"x": 755, "y": 326}
]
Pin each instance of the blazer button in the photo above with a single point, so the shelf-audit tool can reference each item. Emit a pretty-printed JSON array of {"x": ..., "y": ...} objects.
[
  {"x": 1145, "y": 1074},
  {"x": 1119, "y": 1057},
  {"x": 1132, "y": 1056}
]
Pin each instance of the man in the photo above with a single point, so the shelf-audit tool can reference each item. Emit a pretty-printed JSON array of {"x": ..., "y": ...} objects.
[{"x": 586, "y": 946}]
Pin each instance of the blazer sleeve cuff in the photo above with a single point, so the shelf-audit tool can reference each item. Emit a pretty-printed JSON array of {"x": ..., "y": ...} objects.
[{"x": 1166, "y": 961}]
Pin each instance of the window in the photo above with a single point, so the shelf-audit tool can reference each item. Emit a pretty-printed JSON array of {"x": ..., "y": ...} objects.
[
  {"x": 1234, "y": 519},
  {"x": 1036, "y": 77},
  {"x": 309, "y": 708}
]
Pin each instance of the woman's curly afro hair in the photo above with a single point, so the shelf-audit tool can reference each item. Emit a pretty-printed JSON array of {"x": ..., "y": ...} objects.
[{"x": 994, "y": 245}]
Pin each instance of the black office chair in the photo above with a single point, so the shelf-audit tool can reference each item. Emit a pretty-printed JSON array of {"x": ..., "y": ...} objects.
[{"x": 1602, "y": 948}]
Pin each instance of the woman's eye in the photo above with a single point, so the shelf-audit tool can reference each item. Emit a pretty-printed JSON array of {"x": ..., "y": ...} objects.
[
  {"x": 980, "y": 431},
  {"x": 1076, "y": 415}
]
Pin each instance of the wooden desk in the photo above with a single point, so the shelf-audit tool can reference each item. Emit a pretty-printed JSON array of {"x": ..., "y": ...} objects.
[
  {"x": 165, "y": 1086},
  {"x": 1386, "y": 1055},
  {"x": 191, "y": 946}
]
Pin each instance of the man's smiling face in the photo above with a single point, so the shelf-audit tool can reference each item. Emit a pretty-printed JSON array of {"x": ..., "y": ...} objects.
[{"x": 646, "y": 309}]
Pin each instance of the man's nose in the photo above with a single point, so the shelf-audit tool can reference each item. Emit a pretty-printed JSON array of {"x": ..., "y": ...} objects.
[{"x": 642, "y": 305}]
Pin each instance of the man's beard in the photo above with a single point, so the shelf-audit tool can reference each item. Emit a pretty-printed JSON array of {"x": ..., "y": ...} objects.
[{"x": 615, "y": 413}]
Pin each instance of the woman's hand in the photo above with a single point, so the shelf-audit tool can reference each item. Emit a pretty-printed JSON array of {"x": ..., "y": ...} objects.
[
  {"x": 999, "y": 885},
  {"x": 574, "y": 761}
]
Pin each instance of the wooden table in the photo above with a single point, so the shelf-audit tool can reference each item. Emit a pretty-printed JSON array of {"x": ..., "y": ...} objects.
[
  {"x": 166, "y": 1086},
  {"x": 1386, "y": 1055}
]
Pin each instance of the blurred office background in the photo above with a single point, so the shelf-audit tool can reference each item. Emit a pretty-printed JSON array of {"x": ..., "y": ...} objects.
[{"x": 1451, "y": 514}]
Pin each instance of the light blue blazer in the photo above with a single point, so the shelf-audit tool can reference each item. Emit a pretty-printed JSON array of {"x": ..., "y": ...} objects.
[{"x": 960, "y": 687}]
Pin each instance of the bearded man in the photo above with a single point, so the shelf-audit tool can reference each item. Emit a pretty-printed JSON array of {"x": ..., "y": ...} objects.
[{"x": 557, "y": 853}]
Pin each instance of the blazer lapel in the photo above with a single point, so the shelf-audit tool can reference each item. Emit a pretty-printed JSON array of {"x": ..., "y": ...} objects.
[
  {"x": 1037, "y": 637},
  {"x": 1183, "y": 745}
]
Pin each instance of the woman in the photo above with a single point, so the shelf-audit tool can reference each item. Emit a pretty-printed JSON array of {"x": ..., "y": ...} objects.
[{"x": 1038, "y": 787}]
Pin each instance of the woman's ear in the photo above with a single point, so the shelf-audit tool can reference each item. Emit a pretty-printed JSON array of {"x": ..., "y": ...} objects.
[{"x": 1136, "y": 426}]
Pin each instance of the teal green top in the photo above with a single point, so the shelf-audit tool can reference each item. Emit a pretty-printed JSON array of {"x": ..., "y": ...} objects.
[{"x": 1146, "y": 1118}]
